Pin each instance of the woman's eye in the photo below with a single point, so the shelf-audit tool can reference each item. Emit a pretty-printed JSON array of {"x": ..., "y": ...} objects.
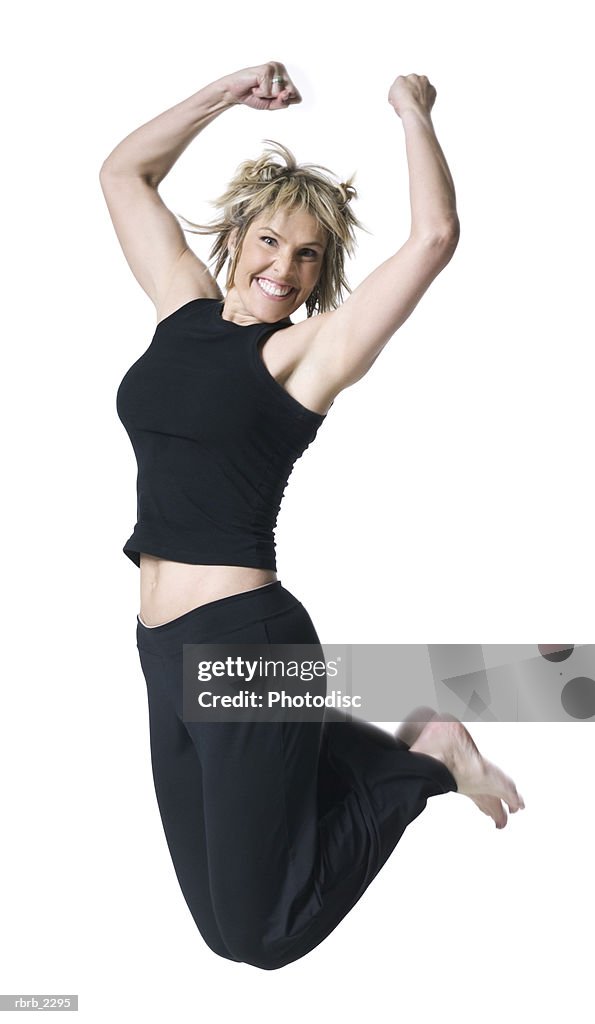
[{"x": 307, "y": 252}]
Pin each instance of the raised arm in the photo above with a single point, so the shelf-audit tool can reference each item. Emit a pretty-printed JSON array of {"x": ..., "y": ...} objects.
[
  {"x": 151, "y": 238},
  {"x": 349, "y": 339}
]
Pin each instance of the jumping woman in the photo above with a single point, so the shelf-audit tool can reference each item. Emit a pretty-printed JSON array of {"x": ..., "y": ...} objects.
[{"x": 275, "y": 829}]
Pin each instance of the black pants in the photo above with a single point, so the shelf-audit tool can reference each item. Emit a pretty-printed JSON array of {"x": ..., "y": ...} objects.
[{"x": 275, "y": 829}]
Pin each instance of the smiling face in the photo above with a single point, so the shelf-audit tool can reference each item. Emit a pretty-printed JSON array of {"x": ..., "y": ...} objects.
[{"x": 278, "y": 267}]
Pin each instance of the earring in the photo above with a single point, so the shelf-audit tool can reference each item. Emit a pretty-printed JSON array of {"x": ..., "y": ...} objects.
[{"x": 312, "y": 301}]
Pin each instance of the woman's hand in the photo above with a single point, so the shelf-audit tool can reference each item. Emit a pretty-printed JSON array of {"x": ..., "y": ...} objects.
[
  {"x": 409, "y": 91},
  {"x": 255, "y": 87}
]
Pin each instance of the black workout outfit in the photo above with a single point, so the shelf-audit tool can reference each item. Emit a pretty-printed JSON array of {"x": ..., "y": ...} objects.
[{"x": 275, "y": 829}]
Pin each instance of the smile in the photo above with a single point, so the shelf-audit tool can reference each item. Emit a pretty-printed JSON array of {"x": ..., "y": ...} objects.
[{"x": 271, "y": 290}]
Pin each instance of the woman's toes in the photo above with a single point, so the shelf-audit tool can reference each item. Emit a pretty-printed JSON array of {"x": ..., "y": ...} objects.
[
  {"x": 514, "y": 801},
  {"x": 498, "y": 812},
  {"x": 518, "y": 804},
  {"x": 493, "y": 807}
]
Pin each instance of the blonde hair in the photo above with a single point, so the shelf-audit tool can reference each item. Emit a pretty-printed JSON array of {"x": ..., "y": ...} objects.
[{"x": 265, "y": 184}]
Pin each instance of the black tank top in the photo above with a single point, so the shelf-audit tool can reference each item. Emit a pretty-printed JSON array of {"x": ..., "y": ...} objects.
[{"x": 215, "y": 438}]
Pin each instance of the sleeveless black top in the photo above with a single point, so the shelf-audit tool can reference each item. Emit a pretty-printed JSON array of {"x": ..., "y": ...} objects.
[{"x": 215, "y": 438}]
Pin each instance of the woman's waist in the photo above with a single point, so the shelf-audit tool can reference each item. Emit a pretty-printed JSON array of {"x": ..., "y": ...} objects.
[{"x": 169, "y": 589}]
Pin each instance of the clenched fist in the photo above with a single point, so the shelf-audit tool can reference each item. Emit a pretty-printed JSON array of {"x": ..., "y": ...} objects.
[
  {"x": 267, "y": 87},
  {"x": 412, "y": 91}
]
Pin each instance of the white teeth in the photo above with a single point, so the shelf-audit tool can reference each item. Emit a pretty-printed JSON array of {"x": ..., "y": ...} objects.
[{"x": 271, "y": 289}]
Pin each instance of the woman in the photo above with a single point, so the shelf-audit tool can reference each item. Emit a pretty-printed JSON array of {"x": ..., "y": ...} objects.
[{"x": 275, "y": 828}]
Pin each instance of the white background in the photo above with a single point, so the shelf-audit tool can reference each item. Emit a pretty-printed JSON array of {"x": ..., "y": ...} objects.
[{"x": 447, "y": 499}]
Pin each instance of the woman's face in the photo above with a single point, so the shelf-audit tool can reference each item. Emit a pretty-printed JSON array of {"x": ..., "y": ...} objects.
[{"x": 279, "y": 265}]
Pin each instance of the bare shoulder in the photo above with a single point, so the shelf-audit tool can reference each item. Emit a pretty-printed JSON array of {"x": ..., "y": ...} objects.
[{"x": 190, "y": 279}]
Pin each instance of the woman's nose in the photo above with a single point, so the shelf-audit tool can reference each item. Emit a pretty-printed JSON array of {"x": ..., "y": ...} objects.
[{"x": 283, "y": 263}]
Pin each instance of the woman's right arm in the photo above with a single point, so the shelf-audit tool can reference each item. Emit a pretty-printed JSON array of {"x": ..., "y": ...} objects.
[
  {"x": 151, "y": 151},
  {"x": 150, "y": 236}
]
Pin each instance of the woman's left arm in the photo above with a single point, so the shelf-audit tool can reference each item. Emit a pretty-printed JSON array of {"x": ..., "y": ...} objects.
[{"x": 349, "y": 339}]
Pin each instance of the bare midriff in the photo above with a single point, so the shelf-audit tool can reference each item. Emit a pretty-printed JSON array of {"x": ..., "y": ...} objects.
[{"x": 169, "y": 589}]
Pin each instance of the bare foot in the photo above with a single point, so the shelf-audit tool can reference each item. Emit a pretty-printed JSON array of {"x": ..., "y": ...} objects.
[
  {"x": 412, "y": 725},
  {"x": 447, "y": 739}
]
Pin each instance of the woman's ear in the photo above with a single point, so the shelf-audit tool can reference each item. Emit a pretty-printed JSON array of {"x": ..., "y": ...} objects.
[{"x": 231, "y": 241}]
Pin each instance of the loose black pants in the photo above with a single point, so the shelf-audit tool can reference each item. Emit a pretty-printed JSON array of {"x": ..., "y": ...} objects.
[{"x": 275, "y": 829}]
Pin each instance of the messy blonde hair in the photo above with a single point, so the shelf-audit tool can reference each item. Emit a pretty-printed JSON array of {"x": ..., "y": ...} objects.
[{"x": 265, "y": 184}]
